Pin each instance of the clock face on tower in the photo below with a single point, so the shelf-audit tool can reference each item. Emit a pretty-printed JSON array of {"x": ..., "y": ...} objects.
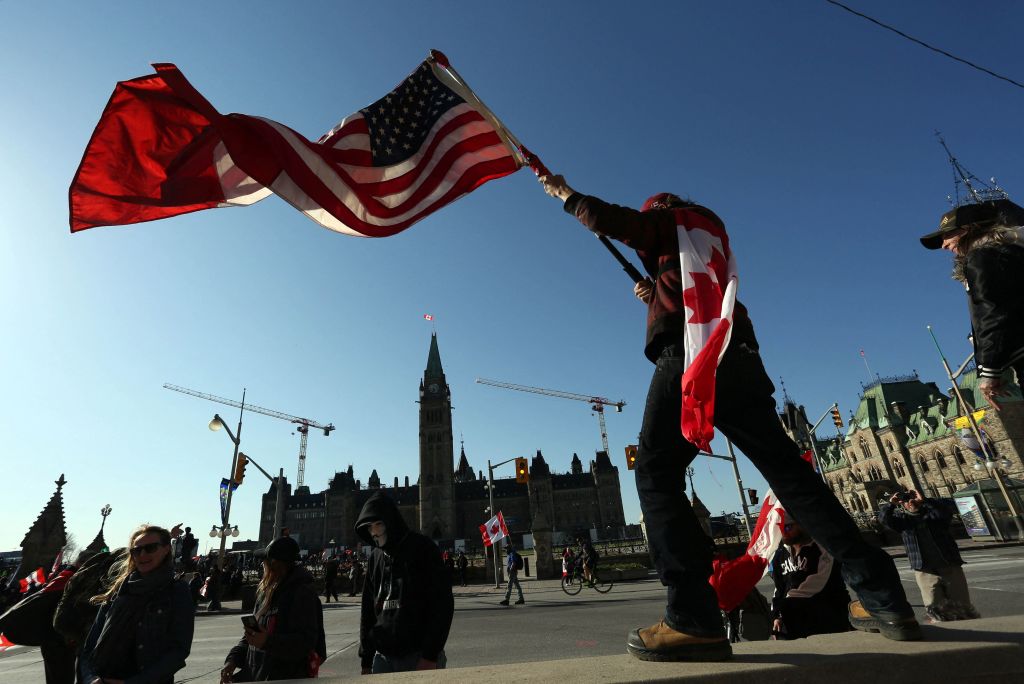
[{"x": 434, "y": 388}]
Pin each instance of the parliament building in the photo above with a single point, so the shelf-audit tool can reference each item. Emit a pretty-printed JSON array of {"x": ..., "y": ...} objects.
[{"x": 446, "y": 501}]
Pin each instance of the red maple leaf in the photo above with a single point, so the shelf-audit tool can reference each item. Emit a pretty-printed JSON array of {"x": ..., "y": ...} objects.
[{"x": 704, "y": 299}]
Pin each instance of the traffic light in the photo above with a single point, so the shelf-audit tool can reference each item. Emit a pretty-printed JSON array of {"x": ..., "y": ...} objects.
[
  {"x": 836, "y": 417},
  {"x": 752, "y": 496},
  {"x": 631, "y": 456},
  {"x": 522, "y": 471},
  {"x": 240, "y": 464}
]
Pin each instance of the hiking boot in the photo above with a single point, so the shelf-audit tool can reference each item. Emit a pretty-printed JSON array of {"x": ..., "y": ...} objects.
[
  {"x": 520, "y": 602},
  {"x": 661, "y": 643},
  {"x": 900, "y": 629},
  {"x": 503, "y": 602}
]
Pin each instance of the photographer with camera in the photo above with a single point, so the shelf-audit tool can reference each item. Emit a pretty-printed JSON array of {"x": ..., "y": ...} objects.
[{"x": 932, "y": 551}]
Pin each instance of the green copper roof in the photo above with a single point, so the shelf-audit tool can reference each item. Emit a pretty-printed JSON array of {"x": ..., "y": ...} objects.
[
  {"x": 434, "y": 369},
  {"x": 874, "y": 410}
]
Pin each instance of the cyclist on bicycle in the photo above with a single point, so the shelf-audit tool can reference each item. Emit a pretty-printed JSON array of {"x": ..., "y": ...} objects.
[{"x": 590, "y": 558}]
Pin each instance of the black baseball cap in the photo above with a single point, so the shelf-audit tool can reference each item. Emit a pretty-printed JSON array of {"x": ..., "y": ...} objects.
[
  {"x": 978, "y": 214},
  {"x": 283, "y": 549}
]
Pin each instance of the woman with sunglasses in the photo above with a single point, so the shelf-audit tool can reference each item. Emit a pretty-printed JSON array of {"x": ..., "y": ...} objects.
[{"x": 143, "y": 631}]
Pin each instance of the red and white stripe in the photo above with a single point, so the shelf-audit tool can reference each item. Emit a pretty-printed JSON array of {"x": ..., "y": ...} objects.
[
  {"x": 36, "y": 578},
  {"x": 333, "y": 181}
]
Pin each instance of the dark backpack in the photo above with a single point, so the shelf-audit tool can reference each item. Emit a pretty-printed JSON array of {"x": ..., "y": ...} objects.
[{"x": 519, "y": 562}]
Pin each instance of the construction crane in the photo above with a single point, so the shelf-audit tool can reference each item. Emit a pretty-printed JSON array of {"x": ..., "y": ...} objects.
[
  {"x": 597, "y": 404},
  {"x": 303, "y": 423}
]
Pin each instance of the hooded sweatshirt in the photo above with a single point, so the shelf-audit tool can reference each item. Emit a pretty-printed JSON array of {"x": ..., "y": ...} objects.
[{"x": 407, "y": 597}]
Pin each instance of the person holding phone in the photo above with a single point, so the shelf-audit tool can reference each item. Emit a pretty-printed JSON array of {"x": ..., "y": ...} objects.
[
  {"x": 284, "y": 637},
  {"x": 143, "y": 631}
]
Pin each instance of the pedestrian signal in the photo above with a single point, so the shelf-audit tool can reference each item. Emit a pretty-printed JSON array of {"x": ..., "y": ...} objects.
[
  {"x": 522, "y": 471},
  {"x": 752, "y": 496},
  {"x": 631, "y": 456},
  {"x": 836, "y": 417},
  {"x": 240, "y": 464}
]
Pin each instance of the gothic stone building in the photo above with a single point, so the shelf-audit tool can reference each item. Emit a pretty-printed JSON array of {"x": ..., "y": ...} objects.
[
  {"x": 901, "y": 435},
  {"x": 449, "y": 502}
]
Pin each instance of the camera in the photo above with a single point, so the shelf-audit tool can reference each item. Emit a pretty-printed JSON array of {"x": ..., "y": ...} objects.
[{"x": 903, "y": 497}]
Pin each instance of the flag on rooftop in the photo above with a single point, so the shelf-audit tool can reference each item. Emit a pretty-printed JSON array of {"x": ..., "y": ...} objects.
[
  {"x": 428, "y": 317},
  {"x": 161, "y": 149}
]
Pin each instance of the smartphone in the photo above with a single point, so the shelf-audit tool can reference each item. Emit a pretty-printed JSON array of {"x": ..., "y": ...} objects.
[{"x": 251, "y": 623}]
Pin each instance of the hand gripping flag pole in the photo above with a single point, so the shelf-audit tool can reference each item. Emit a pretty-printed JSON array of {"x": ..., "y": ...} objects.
[{"x": 528, "y": 157}]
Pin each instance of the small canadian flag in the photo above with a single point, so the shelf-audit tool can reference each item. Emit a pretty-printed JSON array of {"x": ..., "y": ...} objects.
[
  {"x": 428, "y": 317},
  {"x": 494, "y": 530},
  {"x": 36, "y": 578}
]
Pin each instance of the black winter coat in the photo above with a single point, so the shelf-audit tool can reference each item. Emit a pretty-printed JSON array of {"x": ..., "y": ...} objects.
[
  {"x": 295, "y": 622},
  {"x": 407, "y": 595},
  {"x": 995, "y": 281}
]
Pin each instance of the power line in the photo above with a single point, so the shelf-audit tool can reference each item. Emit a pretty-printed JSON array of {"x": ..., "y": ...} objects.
[{"x": 924, "y": 44}]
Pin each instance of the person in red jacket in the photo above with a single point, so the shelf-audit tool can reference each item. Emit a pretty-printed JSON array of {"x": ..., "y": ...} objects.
[{"x": 692, "y": 628}]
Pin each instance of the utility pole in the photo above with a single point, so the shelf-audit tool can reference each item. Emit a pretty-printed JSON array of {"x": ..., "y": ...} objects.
[{"x": 739, "y": 483}]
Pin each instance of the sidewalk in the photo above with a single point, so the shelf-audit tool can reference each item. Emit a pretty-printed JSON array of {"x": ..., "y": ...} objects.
[
  {"x": 966, "y": 546},
  {"x": 968, "y": 652}
]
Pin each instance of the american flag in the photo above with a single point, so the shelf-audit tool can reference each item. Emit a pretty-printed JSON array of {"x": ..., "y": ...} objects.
[{"x": 161, "y": 149}]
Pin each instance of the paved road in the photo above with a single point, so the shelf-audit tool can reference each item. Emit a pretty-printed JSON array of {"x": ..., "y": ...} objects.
[{"x": 551, "y": 626}]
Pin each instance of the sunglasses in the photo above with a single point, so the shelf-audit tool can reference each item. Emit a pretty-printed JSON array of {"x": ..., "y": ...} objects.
[{"x": 146, "y": 548}]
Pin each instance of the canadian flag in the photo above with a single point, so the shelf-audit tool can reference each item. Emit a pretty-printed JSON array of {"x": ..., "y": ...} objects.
[
  {"x": 428, "y": 317},
  {"x": 36, "y": 578},
  {"x": 5, "y": 643},
  {"x": 494, "y": 529},
  {"x": 734, "y": 579},
  {"x": 709, "y": 297}
]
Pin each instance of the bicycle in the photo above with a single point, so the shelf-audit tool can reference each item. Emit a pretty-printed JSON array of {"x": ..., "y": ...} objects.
[{"x": 574, "y": 582}]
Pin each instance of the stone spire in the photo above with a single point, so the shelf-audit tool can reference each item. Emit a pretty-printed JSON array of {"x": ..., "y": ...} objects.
[
  {"x": 48, "y": 535},
  {"x": 577, "y": 465},
  {"x": 464, "y": 473},
  {"x": 374, "y": 481}
]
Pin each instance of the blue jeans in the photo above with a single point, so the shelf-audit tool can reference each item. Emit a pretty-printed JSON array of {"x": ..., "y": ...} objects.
[
  {"x": 383, "y": 664},
  {"x": 513, "y": 578},
  {"x": 744, "y": 413}
]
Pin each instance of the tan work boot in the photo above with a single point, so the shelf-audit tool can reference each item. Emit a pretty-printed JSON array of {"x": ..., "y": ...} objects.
[
  {"x": 660, "y": 643},
  {"x": 902, "y": 629}
]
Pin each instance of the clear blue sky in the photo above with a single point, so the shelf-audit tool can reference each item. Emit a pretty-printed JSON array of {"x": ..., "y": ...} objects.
[{"x": 808, "y": 130}]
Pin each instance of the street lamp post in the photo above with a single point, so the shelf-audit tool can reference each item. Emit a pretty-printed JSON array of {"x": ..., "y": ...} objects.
[
  {"x": 490, "y": 490},
  {"x": 236, "y": 438}
]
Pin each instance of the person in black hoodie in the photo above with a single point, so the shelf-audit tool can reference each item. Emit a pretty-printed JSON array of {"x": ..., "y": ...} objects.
[
  {"x": 407, "y": 601},
  {"x": 290, "y": 643}
]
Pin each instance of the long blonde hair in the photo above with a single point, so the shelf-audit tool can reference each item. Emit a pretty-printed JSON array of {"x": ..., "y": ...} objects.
[
  {"x": 124, "y": 566},
  {"x": 273, "y": 572}
]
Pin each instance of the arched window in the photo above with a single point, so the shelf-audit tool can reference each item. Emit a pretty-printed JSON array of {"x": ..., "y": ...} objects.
[
  {"x": 888, "y": 445},
  {"x": 853, "y": 456},
  {"x": 940, "y": 460},
  {"x": 959, "y": 455},
  {"x": 924, "y": 465},
  {"x": 864, "y": 448}
]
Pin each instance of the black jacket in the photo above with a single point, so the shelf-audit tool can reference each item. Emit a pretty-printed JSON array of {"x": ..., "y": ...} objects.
[
  {"x": 295, "y": 623},
  {"x": 810, "y": 597},
  {"x": 407, "y": 596},
  {"x": 162, "y": 639},
  {"x": 995, "y": 282}
]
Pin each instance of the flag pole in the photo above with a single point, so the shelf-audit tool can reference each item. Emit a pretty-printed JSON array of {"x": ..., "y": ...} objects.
[{"x": 523, "y": 155}]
